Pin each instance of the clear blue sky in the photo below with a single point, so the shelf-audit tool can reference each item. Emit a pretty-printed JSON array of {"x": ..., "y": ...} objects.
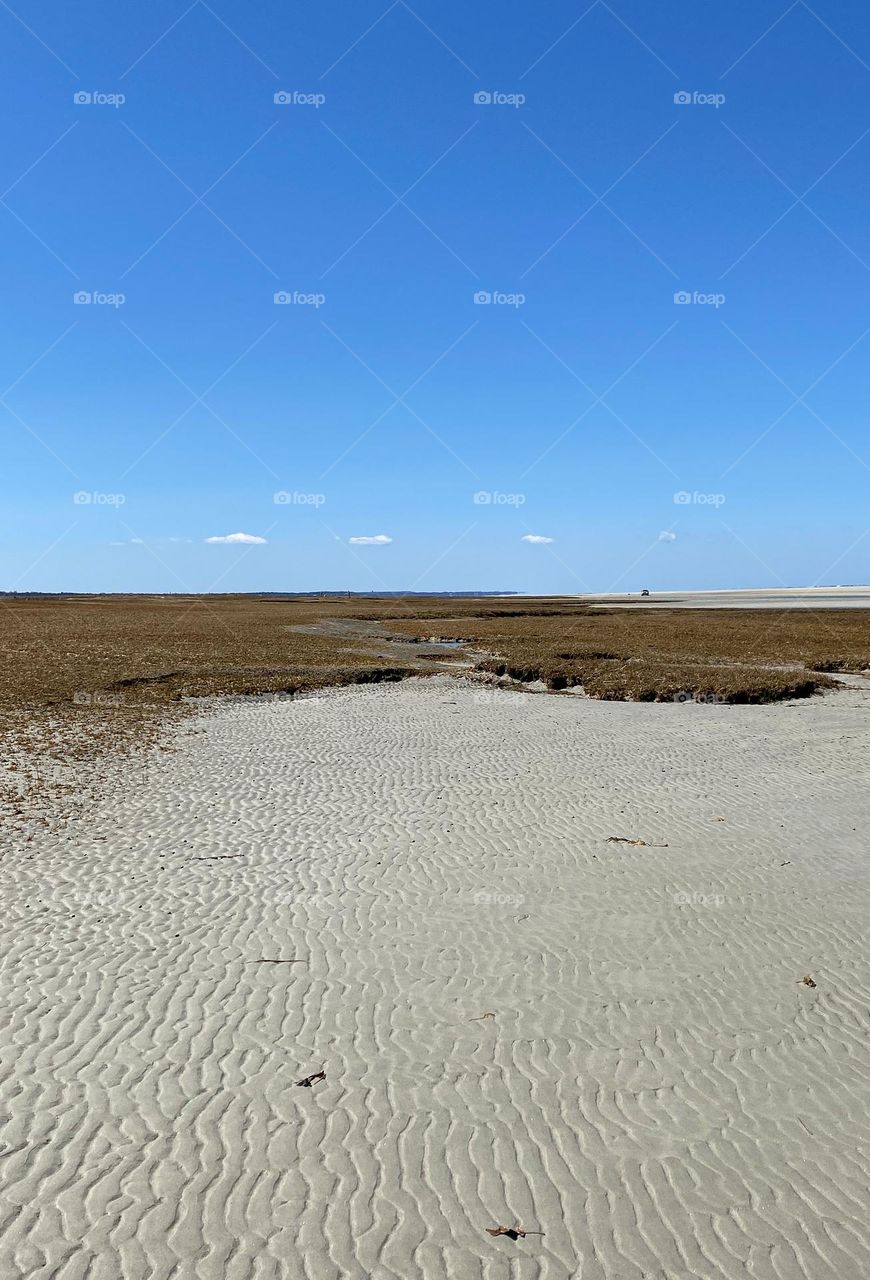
[{"x": 397, "y": 198}]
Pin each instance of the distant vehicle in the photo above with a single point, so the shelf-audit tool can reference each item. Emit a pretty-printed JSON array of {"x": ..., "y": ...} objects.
[{"x": 644, "y": 592}]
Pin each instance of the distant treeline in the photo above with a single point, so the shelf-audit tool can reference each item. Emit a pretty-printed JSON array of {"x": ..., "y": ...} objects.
[{"x": 255, "y": 595}]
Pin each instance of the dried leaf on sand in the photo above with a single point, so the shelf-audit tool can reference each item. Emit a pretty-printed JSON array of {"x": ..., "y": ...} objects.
[{"x": 512, "y": 1233}]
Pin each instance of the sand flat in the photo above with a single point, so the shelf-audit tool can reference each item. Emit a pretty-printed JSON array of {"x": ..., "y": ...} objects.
[
  {"x": 780, "y": 598},
  {"x": 656, "y": 1091}
]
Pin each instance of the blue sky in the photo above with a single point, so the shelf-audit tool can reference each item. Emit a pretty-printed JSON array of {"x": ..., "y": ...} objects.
[{"x": 380, "y": 200}]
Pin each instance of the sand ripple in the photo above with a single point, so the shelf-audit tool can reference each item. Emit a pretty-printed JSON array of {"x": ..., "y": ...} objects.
[{"x": 657, "y": 1092}]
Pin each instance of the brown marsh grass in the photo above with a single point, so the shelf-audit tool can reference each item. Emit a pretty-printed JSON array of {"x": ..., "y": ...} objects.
[{"x": 84, "y": 676}]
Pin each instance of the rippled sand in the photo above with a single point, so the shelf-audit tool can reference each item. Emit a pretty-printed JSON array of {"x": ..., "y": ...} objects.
[{"x": 520, "y": 1023}]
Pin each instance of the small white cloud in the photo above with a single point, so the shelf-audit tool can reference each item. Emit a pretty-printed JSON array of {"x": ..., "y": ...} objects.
[
  {"x": 376, "y": 540},
  {"x": 667, "y": 536},
  {"x": 536, "y": 537},
  {"x": 250, "y": 538}
]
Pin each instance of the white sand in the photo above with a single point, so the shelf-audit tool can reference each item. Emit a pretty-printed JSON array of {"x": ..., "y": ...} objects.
[
  {"x": 781, "y": 598},
  {"x": 657, "y": 1092}
]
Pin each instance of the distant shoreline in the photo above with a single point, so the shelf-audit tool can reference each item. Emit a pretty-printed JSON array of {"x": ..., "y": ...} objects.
[
  {"x": 848, "y": 592},
  {"x": 851, "y": 597}
]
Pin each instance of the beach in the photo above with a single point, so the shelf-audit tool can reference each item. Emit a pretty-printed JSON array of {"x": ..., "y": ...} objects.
[
  {"x": 594, "y": 970},
  {"x": 808, "y": 598}
]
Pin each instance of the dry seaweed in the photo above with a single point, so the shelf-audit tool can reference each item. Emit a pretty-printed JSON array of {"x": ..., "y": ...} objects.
[
  {"x": 308, "y": 1081},
  {"x": 644, "y": 844}
]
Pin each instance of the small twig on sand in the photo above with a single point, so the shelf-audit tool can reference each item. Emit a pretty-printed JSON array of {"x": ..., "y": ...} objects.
[{"x": 640, "y": 843}]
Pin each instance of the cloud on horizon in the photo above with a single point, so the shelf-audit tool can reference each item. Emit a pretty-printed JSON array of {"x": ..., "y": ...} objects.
[
  {"x": 536, "y": 537},
  {"x": 376, "y": 540},
  {"x": 251, "y": 538}
]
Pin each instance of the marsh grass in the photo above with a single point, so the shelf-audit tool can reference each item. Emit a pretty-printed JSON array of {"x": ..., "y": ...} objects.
[
  {"x": 82, "y": 677},
  {"x": 642, "y": 654}
]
